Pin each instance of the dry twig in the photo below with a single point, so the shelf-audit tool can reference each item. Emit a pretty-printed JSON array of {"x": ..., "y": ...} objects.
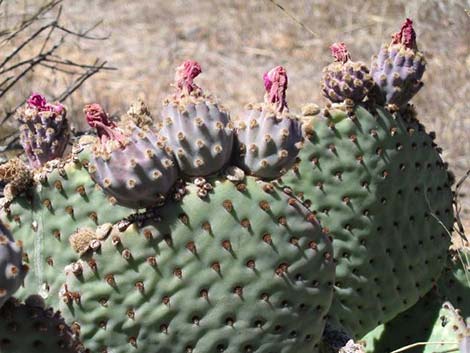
[{"x": 36, "y": 31}]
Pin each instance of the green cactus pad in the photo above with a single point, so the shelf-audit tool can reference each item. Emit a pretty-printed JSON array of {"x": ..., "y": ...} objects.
[
  {"x": 431, "y": 320},
  {"x": 374, "y": 180},
  {"x": 245, "y": 268},
  {"x": 30, "y": 327},
  {"x": 65, "y": 201}
]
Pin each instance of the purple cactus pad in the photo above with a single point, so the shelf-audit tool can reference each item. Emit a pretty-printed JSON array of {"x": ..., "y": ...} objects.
[
  {"x": 398, "y": 68},
  {"x": 44, "y": 130},
  {"x": 268, "y": 139},
  {"x": 345, "y": 79},
  {"x": 133, "y": 166}
]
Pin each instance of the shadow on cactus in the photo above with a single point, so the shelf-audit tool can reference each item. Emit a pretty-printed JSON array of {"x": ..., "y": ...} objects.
[{"x": 433, "y": 324}]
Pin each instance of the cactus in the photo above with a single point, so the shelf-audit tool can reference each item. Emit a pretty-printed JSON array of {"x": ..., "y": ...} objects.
[
  {"x": 195, "y": 126},
  {"x": 31, "y": 327},
  {"x": 432, "y": 320},
  {"x": 182, "y": 282},
  {"x": 399, "y": 67},
  {"x": 253, "y": 264},
  {"x": 63, "y": 201},
  {"x": 44, "y": 130},
  {"x": 133, "y": 165},
  {"x": 344, "y": 78},
  {"x": 219, "y": 261},
  {"x": 373, "y": 179},
  {"x": 268, "y": 139},
  {"x": 12, "y": 270}
]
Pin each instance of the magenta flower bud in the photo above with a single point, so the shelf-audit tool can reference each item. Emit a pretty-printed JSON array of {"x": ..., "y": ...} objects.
[
  {"x": 275, "y": 83},
  {"x": 37, "y": 101},
  {"x": 185, "y": 75}
]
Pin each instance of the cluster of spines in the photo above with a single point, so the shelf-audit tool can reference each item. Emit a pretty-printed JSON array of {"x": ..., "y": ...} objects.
[{"x": 16, "y": 178}]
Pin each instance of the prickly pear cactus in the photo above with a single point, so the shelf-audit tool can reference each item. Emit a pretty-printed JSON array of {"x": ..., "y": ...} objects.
[
  {"x": 433, "y": 320},
  {"x": 133, "y": 164},
  {"x": 344, "y": 78},
  {"x": 31, "y": 327},
  {"x": 268, "y": 139},
  {"x": 208, "y": 274},
  {"x": 63, "y": 201},
  {"x": 399, "y": 67},
  {"x": 12, "y": 270},
  {"x": 44, "y": 130},
  {"x": 375, "y": 180},
  {"x": 195, "y": 126}
]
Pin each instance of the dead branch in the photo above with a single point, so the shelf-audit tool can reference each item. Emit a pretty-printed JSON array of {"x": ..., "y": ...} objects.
[{"x": 48, "y": 36}]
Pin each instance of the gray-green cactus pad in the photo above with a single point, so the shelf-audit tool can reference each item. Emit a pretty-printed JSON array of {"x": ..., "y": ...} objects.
[
  {"x": 44, "y": 219},
  {"x": 376, "y": 181},
  {"x": 244, "y": 269}
]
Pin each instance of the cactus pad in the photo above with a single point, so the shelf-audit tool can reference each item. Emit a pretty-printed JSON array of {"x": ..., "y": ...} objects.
[
  {"x": 208, "y": 274},
  {"x": 196, "y": 127},
  {"x": 64, "y": 201},
  {"x": 399, "y": 67},
  {"x": 344, "y": 78},
  {"x": 375, "y": 180},
  {"x": 433, "y": 319},
  {"x": 44, "y": 130},
  {"x": 268, "y": 139}
]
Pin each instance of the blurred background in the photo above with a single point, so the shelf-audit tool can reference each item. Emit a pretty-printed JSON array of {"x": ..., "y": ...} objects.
[{"x": 115, "y": 51}]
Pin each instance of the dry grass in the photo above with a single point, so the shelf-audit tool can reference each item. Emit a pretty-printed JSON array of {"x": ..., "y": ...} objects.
[{"x": 237, "y": 40}]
